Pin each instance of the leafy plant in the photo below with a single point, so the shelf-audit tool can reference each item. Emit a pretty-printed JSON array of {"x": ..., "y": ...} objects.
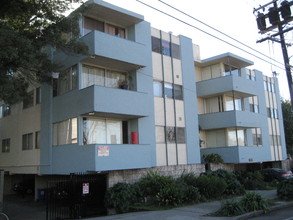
[
  {"x": 285, "y": 189},
  {"x": 121, "y": 196},
  {"x": 212, "y": 158},
  {"x": 231, "y": 208},
  {"x": 211, "y": 186},
  {"x": 252, "y": 201},
  {"x": 169, "y": 196}
]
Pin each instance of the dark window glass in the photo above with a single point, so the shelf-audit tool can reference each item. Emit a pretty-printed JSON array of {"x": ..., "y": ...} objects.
[
  {"x": 37, "y": 140},
  {"x": 6, "y": 145},
  {"x": 38, "y": 95},
  {"x": 28, "y": 101},
  {"x": 180, "y": 135},
  {"x": 166, "y": 48},
  {"x": 92, "y": 24},
  {"x": 178, "y": 92},
  {"x": 4, "y": 110},
  {"x": 170, "y": 133},
  {"x": 156, "y": 45},
  {"x": 168, "y": 90},
  {"x": 269, "y": 112},
  {"x": 175, "y": 51},
  {"x": 125, "y": 132},
  {"x": 27, "y": 141}
]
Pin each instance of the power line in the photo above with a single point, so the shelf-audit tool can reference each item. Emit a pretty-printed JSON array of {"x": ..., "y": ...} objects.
[
  {"x": 186, "y": 23},
  {"x": 218, "y": 30}
]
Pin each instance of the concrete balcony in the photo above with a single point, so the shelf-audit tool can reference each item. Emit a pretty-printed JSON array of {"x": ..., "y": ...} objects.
[
  {"x": 103, "y": 100},
  {"x": 226, "y": 84},
  {"x": 229, "y": 119},
  {"x": 87, "y": 158},
  {"x": 108, "y": 51}
]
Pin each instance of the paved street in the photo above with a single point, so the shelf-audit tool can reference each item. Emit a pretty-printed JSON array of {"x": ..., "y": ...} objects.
[{"x": 282, "y": 214}]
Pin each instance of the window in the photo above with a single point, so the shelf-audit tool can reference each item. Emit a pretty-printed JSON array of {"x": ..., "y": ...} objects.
[
  {"x": 115, "y": 31},
  {"x": 27, "y": 141},
  {"x": 158, "y": 90},
  {"x": 230, "y": 102},
  {"x": 65, "y": 132},
  {"x": 170, "y": 132},
  {"x": 101, "y": 77},
  {"x": 175, "y": 51},
  {"x": 230, "y": 70},
  {"x": 214, "y": 104},
  {"x": 166, "y": 48},
  {"x": 253, "y": 104},
  {"x": 38, "y": 95},
  {"x": 37, "y": 140},
  {"x": 66, "y": 82},
  {"x": 180, "y": 135},
  {"x": 102, "y": 131},
  {"x": 92, "y": 24},
  {"x": 6, "y": 145},
  {"x": 28, "y": 101},
  {"x": 168, "y": 90},
  {"x": 256, "y": 134},
  {"x": 250, "y": 74},
  {"x": 178, "y": 92},
  {"x": 156, "y": 45},
  {"x": 4, "y": 110},
  {"x": 236, "y": 137}
]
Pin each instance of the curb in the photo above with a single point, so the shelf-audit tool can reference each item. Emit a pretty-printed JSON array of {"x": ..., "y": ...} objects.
[{"x": 261, "y": 212}]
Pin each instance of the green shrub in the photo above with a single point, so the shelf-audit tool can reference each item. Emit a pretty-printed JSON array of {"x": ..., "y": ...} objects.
[
  {"x": 285, "y": 189},
  {"x": 231, "y": 208},
  {"x": 252, "y": 201},
  {"x": 121, "y": 196},
  {"x": 234, "y": 187},
  {"x": 251, "y": 180},
  {"x": 211, "y": 186},
  {"x": 212, "y": 158},
  {"x": 169, "y": 196},
  {"x": 152, "y": 183},
  {"x": 186, "y": 184}
]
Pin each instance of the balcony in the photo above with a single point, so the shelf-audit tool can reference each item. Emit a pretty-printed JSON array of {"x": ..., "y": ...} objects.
[
  {"x": 108, "y": 51},
  {"x": 106, "y": 101},
  {"x": 225, "y": 84},
  {"x": 229, "y": 119},
  {"x": 88, "y": 158}
]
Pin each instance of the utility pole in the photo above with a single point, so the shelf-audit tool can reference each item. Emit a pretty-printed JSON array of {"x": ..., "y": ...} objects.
[{"x": 274, "y": 18}]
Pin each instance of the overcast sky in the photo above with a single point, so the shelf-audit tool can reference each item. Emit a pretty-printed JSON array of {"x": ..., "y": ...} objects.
[{"x": 234, "y": 18}]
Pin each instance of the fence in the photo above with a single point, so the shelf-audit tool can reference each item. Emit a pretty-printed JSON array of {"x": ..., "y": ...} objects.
[{"x": 75, "y": 196}]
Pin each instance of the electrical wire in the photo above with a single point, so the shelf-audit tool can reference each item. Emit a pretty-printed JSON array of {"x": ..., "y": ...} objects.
[
  {"x": 205, "y": 32},
  {"x": 226, "y": 35}
]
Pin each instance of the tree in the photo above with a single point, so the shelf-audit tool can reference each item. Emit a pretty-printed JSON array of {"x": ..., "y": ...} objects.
[
  {"x": 27, "y": 29},
  {"x": 288, "y": 125}
]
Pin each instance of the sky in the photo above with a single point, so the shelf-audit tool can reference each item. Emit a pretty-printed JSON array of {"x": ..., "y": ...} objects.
[{"x": 234, "y": 18}]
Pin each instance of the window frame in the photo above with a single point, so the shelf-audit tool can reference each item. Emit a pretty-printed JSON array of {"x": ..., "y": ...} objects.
[
  {"x": 27, "y": 141},
  {"x": 6, "y": 144}
]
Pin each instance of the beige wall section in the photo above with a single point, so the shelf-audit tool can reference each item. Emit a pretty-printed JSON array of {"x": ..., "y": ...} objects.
[
  {"x": 165, "y": 36},
  {"x": 182, "y": 158},
  {"x": 167, "y": 65},
  {"x": 175, "y": 39},
  {"x": 170, "y": 120},
  {"x": 198, "y": 74},
  {"x": 172, "y": 160},
  {"x": 161, "y": 154},
  {"x": 157, "y": 66},
  {"x": 200, "y": 104},
  {"x": 177, "y": 71},
  {"x": 21, "y": 121},
  {"x": 159, "y": 111},
  {"x": 206, "y": 73},
  {"x": 155, "y": 32},
  {"x": 180, "y": 120},
  {"x": 196, "y": 52}
]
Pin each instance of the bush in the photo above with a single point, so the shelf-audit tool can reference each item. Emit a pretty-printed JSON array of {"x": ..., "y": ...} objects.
[
  {"x": 186, "y": 184},
  {"x": 234, "y": 187},
  {"x": 231, "y": 208},
  {"x": 169, "y": 196},
  {"x": 248, "y": 203},
  {"x": 121, "y": 196},
  {"x": 285, "y": 189},
  {"x": 251, "y": 180},
  {"x": 211, "y": 186},
  {"x": 252, "y": 201},
  {"x": 212, "y": 158},
  {"x": 152, "y": 183}
]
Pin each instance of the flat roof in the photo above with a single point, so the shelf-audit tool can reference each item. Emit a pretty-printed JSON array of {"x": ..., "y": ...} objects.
[{"x": 227, "y": 58}]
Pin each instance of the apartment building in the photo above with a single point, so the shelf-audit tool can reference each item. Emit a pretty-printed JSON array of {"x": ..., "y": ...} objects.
[{"x": 142, "y": 99}]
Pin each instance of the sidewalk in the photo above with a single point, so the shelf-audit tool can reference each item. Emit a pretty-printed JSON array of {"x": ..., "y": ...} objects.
[{"x": 198, "y": 211}]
